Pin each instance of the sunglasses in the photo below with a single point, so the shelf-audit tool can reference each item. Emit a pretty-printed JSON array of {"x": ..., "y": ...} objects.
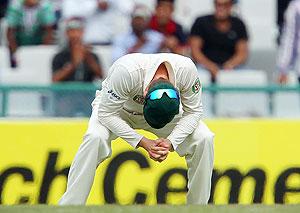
[{"x": 157, "y": 94}]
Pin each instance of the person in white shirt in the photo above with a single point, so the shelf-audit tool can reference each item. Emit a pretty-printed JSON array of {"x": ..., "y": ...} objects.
[
  {"x": 77, "y": 8},
  {"x": 144, "y": 91},
  {"x": 139, "y": 38},
  {"x": 110, "y": 18}
]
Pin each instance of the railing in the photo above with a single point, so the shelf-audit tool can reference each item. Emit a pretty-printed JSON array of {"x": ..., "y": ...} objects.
[
  {"x": 270, "y": 90},
  {"x": 5, "y": 90},
  {"x": 54, "y": 89}
]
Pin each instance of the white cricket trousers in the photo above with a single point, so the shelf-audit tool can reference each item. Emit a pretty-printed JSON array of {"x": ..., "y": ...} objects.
[{"x": 96, "y": 147}]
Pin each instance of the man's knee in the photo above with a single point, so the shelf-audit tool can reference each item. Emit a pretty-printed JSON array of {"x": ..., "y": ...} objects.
[
  {"x": 199, "y": 140},
  {"x": 97, "y": 135},
  {"x": 99, "y": 143},
  {"x": 203, "y": 136},
  {"x": 93, "y": 138}
]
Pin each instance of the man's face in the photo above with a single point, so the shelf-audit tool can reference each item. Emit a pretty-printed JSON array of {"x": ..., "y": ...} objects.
[
  {"x": 31, "y": 3},
  {"x": 75, "y": 35},
  {"x": 139, "y": 24},
  {"x": 223, "y": 9},
  {"x": 163, "y": 12}
]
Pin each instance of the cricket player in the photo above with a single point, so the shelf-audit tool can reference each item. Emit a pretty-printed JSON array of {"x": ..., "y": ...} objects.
[{"x": 147, "y": 91}]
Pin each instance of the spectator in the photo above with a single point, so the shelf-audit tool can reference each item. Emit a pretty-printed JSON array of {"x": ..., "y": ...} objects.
[
  {"x": 30, "y": 22},
  {"x": 139, "y": 38},
  {"x": 219, "y": 41},
  {"x": 106, "y": 21},
  {"x": 289, "y": 45},
  {"x": 162, "y": 22},
  {"x": 281, "y": 8},
  {"x": 69, "y": 9},
  {"x": 74, "y": 63}
]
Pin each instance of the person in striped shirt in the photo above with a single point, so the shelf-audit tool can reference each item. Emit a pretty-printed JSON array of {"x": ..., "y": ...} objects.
[{"x": 289, "y": 45}]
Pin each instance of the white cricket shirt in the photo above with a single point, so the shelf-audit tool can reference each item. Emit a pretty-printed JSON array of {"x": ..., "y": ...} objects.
[{"x": 124, "y": 88}]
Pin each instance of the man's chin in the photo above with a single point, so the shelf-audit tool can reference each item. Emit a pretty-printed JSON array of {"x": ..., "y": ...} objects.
[{"x": 222, "y": 18}]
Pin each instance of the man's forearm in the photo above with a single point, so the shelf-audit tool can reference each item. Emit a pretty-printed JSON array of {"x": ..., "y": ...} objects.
[
  {"x": 204, "y": 61},
  {"x": 196, "y": 44},
  {"x": 63, "y": 73},
  {"x": 240, "y": 56},
  {"x": 93, "y": 64},
  {"x": 11, "y": 38},
  {"x": 236, "y": 60},
  {"x": 139, "y": 44},
  {"x": 48, "y": 37}
]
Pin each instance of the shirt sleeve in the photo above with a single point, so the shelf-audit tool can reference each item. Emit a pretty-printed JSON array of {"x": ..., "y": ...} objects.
[
  {"x": 180, "y": 35},
  {"x": 115, "y": 92},
  {"x": 190, "y": 95},
  {"x": 197, "y": 28},
  {"x": 242, "y": 30},
  {"x": 288, "y": 45},
  {"x": 47, "y": 15},
  {"x": 153, "y": 43},
  {"x": 58, "y": 62},
  {"x": 13, "y": 16}
]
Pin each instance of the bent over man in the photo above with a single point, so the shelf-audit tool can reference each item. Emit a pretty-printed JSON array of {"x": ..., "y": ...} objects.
[{"x": 146, "y": 91}]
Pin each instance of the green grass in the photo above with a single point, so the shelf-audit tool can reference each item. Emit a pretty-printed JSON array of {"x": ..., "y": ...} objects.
[{"x": 153, "y": 209}]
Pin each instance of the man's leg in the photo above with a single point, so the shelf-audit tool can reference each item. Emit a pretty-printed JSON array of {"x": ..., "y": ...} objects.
[
  {"x": 96, "y": 147},
  {"x": 198, "y": 150}
]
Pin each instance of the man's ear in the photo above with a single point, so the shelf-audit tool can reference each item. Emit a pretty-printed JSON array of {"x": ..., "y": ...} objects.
[{"x": 146, "y": 91}]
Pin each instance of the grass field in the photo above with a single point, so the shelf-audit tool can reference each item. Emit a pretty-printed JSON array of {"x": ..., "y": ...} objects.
[{"x": 152, "y": 209}]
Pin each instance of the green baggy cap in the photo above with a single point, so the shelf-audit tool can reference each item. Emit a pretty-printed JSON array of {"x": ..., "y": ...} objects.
[{"x": 161, "y": 111}]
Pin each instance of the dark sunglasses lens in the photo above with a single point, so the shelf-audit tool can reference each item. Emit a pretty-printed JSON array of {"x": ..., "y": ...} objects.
[{"x": 157, "y": 94}]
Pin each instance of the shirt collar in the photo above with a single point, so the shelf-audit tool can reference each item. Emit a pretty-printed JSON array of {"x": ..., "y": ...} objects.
[{"x": 153, "y": 68}]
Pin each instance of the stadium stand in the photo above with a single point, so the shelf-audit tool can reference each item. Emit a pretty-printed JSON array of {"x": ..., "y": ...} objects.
[
  {"x": 32, "y": 73},
  {"x": 207, "y": 97},
  {"x": 34, "y": 66},
  {"x": 237, "y": 104},
  {"x": 35, "y": 69}
]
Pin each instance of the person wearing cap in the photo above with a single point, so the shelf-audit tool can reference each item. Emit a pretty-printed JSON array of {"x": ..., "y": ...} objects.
[
  {"x": 139, "y": 38},
  {"x": 163, "y": 22},
  {"x": 219, "y": 41},
  {"x": 145, "y": 91},
  {"x": 75, "y": 63}
]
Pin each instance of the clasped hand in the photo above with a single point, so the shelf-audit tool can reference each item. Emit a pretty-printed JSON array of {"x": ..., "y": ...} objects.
[{"x": 158, "y": 149}]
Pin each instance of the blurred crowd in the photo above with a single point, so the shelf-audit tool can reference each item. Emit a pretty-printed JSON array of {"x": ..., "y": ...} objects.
[{"x": 216, "y": 42}]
